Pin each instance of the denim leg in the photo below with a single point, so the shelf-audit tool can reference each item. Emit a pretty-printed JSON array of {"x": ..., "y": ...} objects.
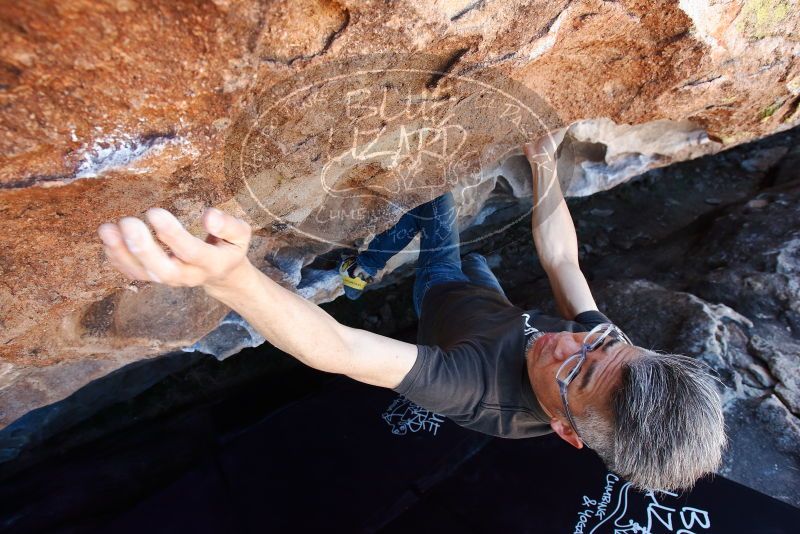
[
  {"x": 477, "y": 270},
  {"x": 438, "y": 227},
  {"x": 385, "y": 245},
  {"x": 439, "y": 257}
]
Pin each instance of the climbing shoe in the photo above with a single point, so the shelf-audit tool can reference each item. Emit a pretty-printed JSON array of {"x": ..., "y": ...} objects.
[{"x": 354, "y": 278}]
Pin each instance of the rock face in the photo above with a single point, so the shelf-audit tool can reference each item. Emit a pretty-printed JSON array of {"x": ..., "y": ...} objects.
[{"x": 111, "y": 107}]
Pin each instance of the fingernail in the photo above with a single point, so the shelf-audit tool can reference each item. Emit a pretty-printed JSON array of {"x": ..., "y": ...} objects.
[
  {"x": 132, "y": 245},
  {"x": 133, "y": 237},
  {"x": 158, "y": 217},
  {"x": 214, "y": 219},
  {"x": 153, "y": 276},
  {"x": 108, "y": 235}
]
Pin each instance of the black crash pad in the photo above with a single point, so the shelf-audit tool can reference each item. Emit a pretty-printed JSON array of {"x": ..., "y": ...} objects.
[{"x": 352, "y": 458}]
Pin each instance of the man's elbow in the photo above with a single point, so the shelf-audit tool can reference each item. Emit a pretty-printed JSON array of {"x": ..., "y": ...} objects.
[{"x": 556, "y": 263}]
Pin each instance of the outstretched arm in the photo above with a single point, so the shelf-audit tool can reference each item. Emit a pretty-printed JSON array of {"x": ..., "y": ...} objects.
[
  {"x": 554, "y": 233},
  {"x": 221, "y": 267}
]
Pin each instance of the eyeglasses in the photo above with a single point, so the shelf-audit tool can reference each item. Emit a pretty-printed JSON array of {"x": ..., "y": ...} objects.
[{"x": 572, "y": 365}]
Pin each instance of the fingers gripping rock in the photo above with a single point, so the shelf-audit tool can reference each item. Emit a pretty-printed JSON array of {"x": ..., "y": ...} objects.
[{"x": 227, "y": 227}]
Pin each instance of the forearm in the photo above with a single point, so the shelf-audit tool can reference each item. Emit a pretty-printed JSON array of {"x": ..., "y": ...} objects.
[
  {"x": 553, "y": 230},
  {"x": 220, "y": 266},
  {"x": 570, "y": 289},
  {"x": 556, "y": 241},
  {"x": 291, "y": 323}
]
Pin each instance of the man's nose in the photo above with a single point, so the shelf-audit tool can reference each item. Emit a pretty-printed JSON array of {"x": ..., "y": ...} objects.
[{"x": 565, "y": 346}]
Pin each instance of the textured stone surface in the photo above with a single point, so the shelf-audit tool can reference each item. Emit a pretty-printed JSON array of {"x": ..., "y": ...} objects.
[
  {"x": 111, "y": 107},
  {"x": 758, "y": 417}
]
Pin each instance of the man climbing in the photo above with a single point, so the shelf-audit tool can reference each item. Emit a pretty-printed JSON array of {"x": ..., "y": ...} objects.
[{"x": 655, "y": 419}]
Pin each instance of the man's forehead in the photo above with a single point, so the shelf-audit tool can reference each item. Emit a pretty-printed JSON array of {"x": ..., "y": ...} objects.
[{"x": 603, "y": 362}]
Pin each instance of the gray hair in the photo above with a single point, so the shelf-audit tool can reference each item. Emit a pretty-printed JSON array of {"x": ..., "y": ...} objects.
[{"x": 668, "y": 428}]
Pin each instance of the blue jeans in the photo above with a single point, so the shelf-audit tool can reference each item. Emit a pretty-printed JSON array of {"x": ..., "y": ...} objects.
[{"x": 439, "y": 255}]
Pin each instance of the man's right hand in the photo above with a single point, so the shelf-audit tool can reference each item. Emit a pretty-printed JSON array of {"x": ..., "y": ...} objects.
[{"x": 214, "y": 263}]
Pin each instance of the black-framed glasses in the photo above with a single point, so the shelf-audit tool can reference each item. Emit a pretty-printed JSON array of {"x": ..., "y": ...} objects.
[{"x": 572, "y": 365}]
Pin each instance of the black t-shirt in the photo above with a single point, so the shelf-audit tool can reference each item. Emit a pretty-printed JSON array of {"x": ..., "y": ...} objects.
[{"x": 471, "y": 363}]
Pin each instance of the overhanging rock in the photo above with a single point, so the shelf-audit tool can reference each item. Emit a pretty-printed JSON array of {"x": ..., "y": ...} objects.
[{"x": 110, "y": 108}]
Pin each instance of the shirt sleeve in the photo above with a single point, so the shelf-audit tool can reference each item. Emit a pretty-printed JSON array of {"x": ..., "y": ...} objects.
[
  {"x": 449, "y": 382},
  {"x": 590, "y": 319}
]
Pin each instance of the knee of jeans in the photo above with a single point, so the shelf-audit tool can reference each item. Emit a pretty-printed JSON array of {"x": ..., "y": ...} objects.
[
  {"x": 474, "y": 256},
  {"x": 439, "y": 269}
]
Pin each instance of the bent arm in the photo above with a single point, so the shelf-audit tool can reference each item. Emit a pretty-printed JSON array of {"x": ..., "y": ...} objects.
[
  {"x": 302, "y": 329},
  {"x": 220, "y": 266},
  {"x": 554, "y": 235}
]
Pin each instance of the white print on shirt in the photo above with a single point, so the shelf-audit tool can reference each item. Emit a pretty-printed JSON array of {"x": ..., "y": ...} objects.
[
  {"x": 404, "y": 416},
  {"x": 529, "y": 330},
  {"x": 644, "y": 514}
]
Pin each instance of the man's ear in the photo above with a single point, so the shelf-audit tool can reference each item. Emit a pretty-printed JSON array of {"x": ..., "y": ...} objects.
[{"x": 565, "y": 432}]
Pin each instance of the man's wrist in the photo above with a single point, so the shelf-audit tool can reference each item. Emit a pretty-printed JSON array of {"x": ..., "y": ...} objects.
[{"x": 241, "y": 280}]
